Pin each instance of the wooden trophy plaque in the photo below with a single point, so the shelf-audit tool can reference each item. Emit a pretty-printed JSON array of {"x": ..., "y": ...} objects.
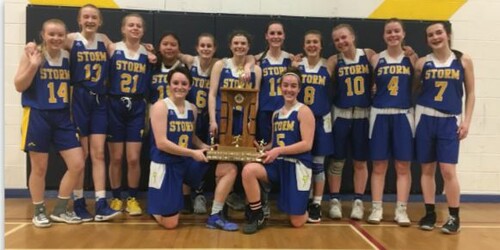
[{"x": 237, "y": 147}]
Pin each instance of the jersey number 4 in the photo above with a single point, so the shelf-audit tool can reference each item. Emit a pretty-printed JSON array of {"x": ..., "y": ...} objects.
[{"x": 57, "y": 94}]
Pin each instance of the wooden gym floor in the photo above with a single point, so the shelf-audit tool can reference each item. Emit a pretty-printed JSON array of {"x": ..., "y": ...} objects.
[{"x": 480, "y": 230}]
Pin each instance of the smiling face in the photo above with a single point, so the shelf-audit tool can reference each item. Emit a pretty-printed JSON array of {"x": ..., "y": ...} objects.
[
  {"x": 275, "y": 35},
  {"x": 179, "y": 86},
  {"x": 206, "y": 47},
  {"x": 53, "y": 35},
  {"x": 312, "y": 45},
  {"x": 343, "y": 39},
  {"x": 437, "y": 36},
  {"x": 239, "y": 45},
  {"x": 394, "y": 34},
  {"x": 169, "y": 48},
  {"x": 89, "y": 19},
  {"x": 133, "y": 27},
  {"x": 290, "y": 87}
]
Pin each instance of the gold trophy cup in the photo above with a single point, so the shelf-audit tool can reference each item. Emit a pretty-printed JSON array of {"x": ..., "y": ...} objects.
[{"x": 237, "y": 147}]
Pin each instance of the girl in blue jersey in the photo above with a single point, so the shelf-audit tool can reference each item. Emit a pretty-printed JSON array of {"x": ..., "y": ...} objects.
[
  {"x": 89, "y": 71},
  {"x": 129, "y": 79},
  {"x": 391, "y": 121},
  {"x": 352, "y": 84},
  {"x": 226, "y": 73},
  {"x": 316, "y": 86},
  {"x": 273, "y": 62},
  {"x": 442, "y": 76},
  {"x": 287, "y": 159},
  {"x": 200, "y": 67},
  {"x": 173, "y": 159},
  {"x": 43, "y": 78},
  {"x": 168, "y": 53}
]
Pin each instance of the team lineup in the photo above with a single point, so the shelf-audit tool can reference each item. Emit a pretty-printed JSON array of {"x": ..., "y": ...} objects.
[{"x": 82, "y": 92}]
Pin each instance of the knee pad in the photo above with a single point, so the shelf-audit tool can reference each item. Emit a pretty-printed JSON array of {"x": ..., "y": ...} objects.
[
  {"x": 335, "y": 167},
  {"x": 318, "y": 177}
]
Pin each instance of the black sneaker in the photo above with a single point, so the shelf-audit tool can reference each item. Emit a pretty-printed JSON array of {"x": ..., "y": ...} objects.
[
  {"x": 427, "y": 222},
  {"x": 314, "y": 213},
  {"x": 452, "y": 225},
  {"x": 255, "y": 221}
]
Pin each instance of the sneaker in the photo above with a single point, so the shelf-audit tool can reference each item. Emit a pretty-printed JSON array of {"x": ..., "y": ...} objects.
[
  {"x": 103, "y": 212},
  {"x": 66, "y": 217},
  {"x": 335, "y": 211},
  {"x": 314, "y": 213},
  {"x": 266, "y": 209},
  {"x": 200, "y": 204},
  {"x": 41, "y": 220},
  {"x": 116, "y": 204},
  {"x": 80, "y": 208},
  {"x": 264, "y": 197},
  {"x": 452, "y": 225},
  {"x": 235, "y": 202},
  {"x": 255, "y": 222},
  {"x": 427, "y": 222},
  {"x": 357, "y": 211},
  {"x": 401, "y": 217},
  {"x": 217, "y": 221},
  {"x": 376, "y": 214},
  {"x": 133, "y": 207}
]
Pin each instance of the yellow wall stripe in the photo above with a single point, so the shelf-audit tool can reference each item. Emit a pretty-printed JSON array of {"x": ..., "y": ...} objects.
[
  {"x": 417, "y": 9},
  {"x": 76, "y": 3}
]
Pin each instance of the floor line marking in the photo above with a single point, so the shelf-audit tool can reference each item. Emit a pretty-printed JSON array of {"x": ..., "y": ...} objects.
[
  {"x": 13, "y": 230},
  {"x": 366, "y": 236}
]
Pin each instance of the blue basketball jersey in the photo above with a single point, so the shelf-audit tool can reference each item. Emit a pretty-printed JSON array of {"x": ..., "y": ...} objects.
[
  {"x": 270, "y": 97},
  {"x": 159, "y": 84},
  {"x": 442, "y": 85},
  {"x": 286, "y": 131},
  {"x": 229, "y": 78},
  {"x": 353, "y": 79},
  {"x": 89, "y": 63},
  {"x": 200, "y": 86},
  {"x": 315, "y": 87},
  {"x": 393, "y": 78},
  {"x": 129, "y": 74},
  {"x": 49, "y": 88},
  {"x": 180, "y": 128}
]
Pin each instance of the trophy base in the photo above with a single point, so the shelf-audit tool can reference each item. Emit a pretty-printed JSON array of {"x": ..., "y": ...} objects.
[{"x": 225, "y": 153}]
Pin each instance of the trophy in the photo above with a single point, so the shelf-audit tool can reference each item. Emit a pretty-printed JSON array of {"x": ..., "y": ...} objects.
[{"x": 237, "y": 147}]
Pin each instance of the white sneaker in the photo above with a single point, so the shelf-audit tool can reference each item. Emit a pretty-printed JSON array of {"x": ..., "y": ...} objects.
[
  {"x": 41, "y": 220},
  {"x": 376, "y": 214},
  {"x": 335, "y": 211},
  {"x": 357, "y": 211},
  {"x": 200, "y": 204},
  {"x": 401, "y": 217},
  {"x": 66, "y": 217}
]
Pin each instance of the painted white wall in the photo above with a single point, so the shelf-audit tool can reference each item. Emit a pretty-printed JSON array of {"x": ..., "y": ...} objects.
[{"x": 474, "y": 27}]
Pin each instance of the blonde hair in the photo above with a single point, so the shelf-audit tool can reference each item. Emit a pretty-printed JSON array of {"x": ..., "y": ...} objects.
[{"x": 41, "y": 47}]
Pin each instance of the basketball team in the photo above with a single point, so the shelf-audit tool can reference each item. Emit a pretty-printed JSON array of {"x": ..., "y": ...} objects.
[{"x": 81, "y": 91}]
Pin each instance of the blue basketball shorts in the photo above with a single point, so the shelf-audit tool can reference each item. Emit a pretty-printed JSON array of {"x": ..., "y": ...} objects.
[
  {"x": 294, "y": 179},
  {"x": 391, "y": 134},
  {"x": 126, "y": 119},
  {"x": 41, "y": 128},
  {"x": 89, "y": 112}
]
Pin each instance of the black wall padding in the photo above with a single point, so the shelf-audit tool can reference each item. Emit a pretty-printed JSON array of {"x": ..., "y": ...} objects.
[{"x": 189, "y": 25}]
